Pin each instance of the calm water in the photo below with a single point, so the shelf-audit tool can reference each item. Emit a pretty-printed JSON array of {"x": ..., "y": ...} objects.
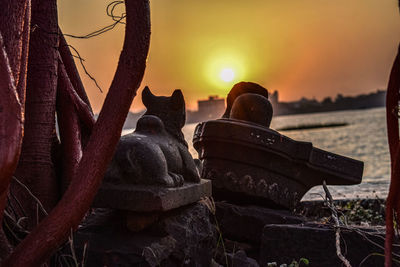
[{"x": 364, "y": 138}]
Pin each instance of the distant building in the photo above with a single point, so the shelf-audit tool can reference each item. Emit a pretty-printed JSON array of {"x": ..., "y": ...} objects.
[
  {"x": 274, "y": 98},
  {"x": 214, "y": 107},
  {"x": 211, "y": 108}
]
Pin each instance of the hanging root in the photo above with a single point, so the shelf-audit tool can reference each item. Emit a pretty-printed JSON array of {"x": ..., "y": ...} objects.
[{"x": 68, "y": 121}]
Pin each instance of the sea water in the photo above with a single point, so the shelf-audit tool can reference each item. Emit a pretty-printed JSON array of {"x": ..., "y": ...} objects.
[{"x": 363, "y": 138}]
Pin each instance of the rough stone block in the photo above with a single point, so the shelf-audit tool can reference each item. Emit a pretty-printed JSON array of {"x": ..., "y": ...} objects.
[
  {"x": 182, "y": 237},
  {"x": 246, "y": 223}
]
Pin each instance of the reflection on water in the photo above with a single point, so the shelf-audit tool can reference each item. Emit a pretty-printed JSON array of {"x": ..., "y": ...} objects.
[{"x": 364, "y": 138}]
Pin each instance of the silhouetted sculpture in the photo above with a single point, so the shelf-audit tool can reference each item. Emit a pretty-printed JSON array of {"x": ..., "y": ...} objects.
[
  {"x": 249, "y": 162},
  {"x": 156, "y": 152},
  {"x": 242, "y": 88},
  {"x": 252, "y": 108}
]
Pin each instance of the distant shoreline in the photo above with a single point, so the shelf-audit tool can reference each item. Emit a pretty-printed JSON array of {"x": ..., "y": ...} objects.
[
  {"x": 312, "y": 126},
  {"x": 303, "y": 106}
]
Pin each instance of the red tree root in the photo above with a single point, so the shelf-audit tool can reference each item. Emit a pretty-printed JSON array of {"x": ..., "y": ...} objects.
[
  {"x": 21, "y": 83},
  {"x": 11, "y": 126},
  {"x": 13, "y": 18},
  {"x": 81, "y": 107},
  {"x": 72, "y": 71},
  {"x": 68, "y": 122},
  {"x": 68, "y": 213},
  {"x": 393, "y": 201},
  {"x": 35, "y": 167},
  {"x": 84, "y": 110}
]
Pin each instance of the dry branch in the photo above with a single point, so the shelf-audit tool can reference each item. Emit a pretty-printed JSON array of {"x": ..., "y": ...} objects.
[
  {"x": 72, "y": 71},
  {"x": 335, "y": 217}
]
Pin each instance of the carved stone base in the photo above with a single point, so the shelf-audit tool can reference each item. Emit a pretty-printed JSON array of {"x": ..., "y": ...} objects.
[
  {"x": 244, "y": 184},
  {"x": 248, "y": 162},
  {"x": 141, "y": 198}
]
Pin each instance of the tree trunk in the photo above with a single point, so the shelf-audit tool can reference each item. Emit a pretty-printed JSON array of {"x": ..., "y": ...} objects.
[
  {"x": 392, "y": 121},
  {"x": 35, "y": 168}
]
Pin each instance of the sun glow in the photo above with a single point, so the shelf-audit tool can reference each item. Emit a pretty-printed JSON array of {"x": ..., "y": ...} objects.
[
  {"x": 223, "y": 68},
  {"x": 227, "y": 75}
]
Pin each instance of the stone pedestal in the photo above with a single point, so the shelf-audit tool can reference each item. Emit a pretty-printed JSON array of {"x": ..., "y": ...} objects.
[
  {"x": 144, "y": 204},
  {"x": 181, "y": 237},
  {"x": 148, "y": 198}
]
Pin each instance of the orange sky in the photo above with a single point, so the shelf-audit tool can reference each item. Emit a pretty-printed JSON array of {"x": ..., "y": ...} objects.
[{"x": 311, "y": 48}]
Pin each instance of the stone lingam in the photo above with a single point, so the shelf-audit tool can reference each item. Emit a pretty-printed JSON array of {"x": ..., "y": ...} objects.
[
  {"x": 250, "y": 163},
  {"x": 152, "y": 170}
]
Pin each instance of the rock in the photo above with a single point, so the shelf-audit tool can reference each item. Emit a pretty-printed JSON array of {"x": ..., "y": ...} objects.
[
  {"x": 215, "y": 264},
  {"x": 136, "y": 222},
  {"x": 316, "y": 242},
  {"x": 239, "y": 258},
  {"x": 182, "y": 237},
  {"x": 195, "y": 236},
  {"x": 246, "y": 223},
  {"x": 144, "y": 198}
]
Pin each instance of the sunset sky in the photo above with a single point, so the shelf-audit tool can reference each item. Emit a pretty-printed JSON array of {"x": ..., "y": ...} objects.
[{"x": 311, "y": 48}]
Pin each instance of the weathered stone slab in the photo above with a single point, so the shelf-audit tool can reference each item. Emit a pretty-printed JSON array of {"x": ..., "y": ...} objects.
[
  {"x": 251, "y": 161},
  {"x": 246, "y": 223},
  {"x": 284, "y": 243},
  {"x": 145, "y": 198},
  {"x": 182, "y": 237}
]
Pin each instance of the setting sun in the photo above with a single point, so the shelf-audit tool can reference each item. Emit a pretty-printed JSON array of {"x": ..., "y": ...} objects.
[
  {"x": 227, "y": 75},
  {"x": 225, "y": 66}
]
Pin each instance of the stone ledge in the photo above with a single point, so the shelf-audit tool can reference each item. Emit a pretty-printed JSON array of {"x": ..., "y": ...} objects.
[{"x": 142, "y": 198}]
